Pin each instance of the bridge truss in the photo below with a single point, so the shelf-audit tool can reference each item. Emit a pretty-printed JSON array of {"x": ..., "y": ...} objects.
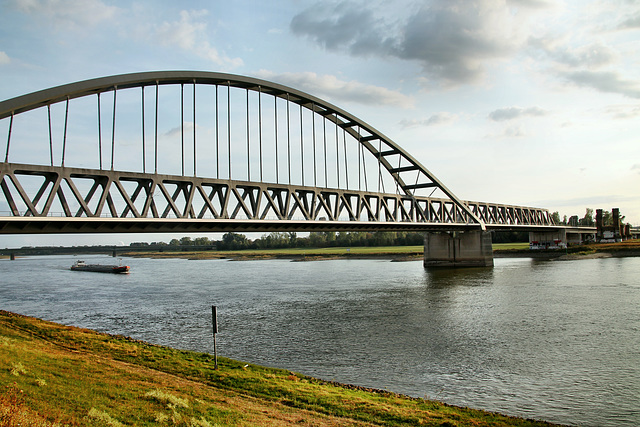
[{"x": 240, "y": 164}]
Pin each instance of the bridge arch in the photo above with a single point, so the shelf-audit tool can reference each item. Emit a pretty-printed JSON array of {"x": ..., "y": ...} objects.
[
  {"x": 396, "y": 167},
  {"x": 256, "y": 156}
]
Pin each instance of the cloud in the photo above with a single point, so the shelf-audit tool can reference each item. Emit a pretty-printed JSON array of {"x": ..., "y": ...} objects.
[
  {"x": 636, "y": 168},
  {"x": 189, "y": 34},
  {"x": 534, "y": 4},
  {"x": 603, "y": 81},
  {"x": 68, "y": 14},
  {"x": 594, "y": 55},
  {"x": 331, "y": 87},
  {"x": 623, "y": 111},
  {"x": 437, "y": 119},
  {"x": 514, "y": 132},
  {"x": 511, "y": 113},
  {"x": 177, "y": 131},
  {"x": 509, "y": 132},
  {"x": 631, "y": 23},
  {"x": 4, "y": 58},
  {"x": 453, "y": 40}
]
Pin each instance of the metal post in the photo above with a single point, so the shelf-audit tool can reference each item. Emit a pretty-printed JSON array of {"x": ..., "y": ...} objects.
[
  {"x": 324, "y": 138},
  {"x": 248, "y": 141},
  {"x": 229, "y": 123},
  {"x": 379, "y": 163},
  {"x": 301, "y": 145},
  {"x": 144, "y": 165},
  {"x": 260, "y": 127},
  {"x": 182, "y": 123},
  {"x": 217, "y": 137},
  {"x": 214, "y": 320},
  {"x": 313, "y": 129},
  {"x": 194, "y": 129},
  {"x": 113, "y": 129},
  {"x": 398, "y": 175},
  {"x": 337, "y": 152},
  {"x": 51, "y": 136},
  {"x": 6, "y": 157},
  {"x": 359, "y": 162},
  {"x": 155, "y": 154},
  {"x": 275, "y": 116},
  {"x": 364, "y": 168},
  {"x": 64, "y": 138},
  {"x": 346, "y": 165},
  {"x": 288, "y": 141}
]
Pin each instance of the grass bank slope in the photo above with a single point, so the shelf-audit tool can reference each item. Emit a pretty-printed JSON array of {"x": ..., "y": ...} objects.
[{"x": 54, "y": 375}]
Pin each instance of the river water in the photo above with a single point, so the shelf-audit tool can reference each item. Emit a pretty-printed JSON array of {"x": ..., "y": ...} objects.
[{"x": 551, "y": 340}]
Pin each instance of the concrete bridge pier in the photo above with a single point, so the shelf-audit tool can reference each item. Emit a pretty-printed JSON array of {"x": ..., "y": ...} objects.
[{"x": 458, "y": 249}]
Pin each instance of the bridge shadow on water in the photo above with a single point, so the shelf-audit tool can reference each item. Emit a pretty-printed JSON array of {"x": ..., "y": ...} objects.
[{"x": 443, "y": 278}]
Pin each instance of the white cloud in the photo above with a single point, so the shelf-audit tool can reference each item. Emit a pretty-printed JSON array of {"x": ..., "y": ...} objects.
[
  {"x": 511, "y": 113},
  {"x": 514, "y": 132},
  {"x": 623, "y": 111},
  {"x": 335, "y": 89},
  {"x": 437, "y": 119},
  {"x": 178, "y": 131},
  {"x": 594, "y": 55},
  {"x": 189, "y": 34},
  {"x": 603, "y": 81},
  {"x": 631, "y": 23},
  {"x": 4, "y": 58},
  {"x": 509, "y": 132},
  {"x": 67, "y": 14}
]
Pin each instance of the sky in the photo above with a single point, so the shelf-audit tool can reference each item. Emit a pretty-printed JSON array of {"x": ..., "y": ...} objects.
[{"x": 522, "y": 102}]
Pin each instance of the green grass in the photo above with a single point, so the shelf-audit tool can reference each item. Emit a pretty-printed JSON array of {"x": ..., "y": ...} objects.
[
  {"x": 57, "y": 375},
  {"x": 510, "y": 246}
]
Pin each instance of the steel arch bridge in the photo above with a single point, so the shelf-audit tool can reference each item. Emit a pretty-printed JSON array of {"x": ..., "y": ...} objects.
[{"x": 187, "y": 151}]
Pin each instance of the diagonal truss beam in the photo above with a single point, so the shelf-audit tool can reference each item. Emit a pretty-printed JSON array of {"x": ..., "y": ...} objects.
[{"x": 216, "y": 199}]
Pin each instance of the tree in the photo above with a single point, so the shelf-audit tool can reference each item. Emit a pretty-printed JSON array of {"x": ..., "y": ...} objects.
[
  {"x": 233, "y": 241},
  {"x": 587, "y": 220},
  {"x": 202, "y": 241},
  {"x": 317, "y": 240}
]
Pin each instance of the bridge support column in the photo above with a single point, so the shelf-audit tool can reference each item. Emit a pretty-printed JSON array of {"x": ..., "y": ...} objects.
[
  {"x": 555, "y": 239},
  {"x": 458, "y": 249}
]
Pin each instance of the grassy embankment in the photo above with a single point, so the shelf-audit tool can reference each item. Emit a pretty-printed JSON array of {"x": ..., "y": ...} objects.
[{"x": 56, "y": 375}]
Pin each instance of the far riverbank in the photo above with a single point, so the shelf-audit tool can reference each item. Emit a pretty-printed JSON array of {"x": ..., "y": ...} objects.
[{"x": 629, "y": 248}]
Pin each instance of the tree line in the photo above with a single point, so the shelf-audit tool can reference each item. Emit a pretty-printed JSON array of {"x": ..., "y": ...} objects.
[
  {"x": 588, "y": 220},
  {"x": 280, "y": 240}
]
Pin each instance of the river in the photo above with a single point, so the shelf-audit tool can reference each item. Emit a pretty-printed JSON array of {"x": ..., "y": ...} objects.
[{"x": 551, "y": 340}]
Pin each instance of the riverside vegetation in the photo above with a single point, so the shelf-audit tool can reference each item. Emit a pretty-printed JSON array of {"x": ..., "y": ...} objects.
[{"x": 55, "y": 375}]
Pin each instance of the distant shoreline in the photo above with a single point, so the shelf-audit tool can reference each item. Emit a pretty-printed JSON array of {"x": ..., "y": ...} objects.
[
  {"x": 629, "y": 248},
  {"x": 397, "y": 254}
]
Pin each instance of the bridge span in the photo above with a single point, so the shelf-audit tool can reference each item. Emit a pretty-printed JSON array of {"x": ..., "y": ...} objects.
[{"x": 187, "y": 151}]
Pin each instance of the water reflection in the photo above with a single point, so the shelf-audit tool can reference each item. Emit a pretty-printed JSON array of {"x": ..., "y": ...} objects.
[{"x": 441, "y": 278}]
